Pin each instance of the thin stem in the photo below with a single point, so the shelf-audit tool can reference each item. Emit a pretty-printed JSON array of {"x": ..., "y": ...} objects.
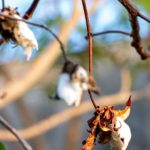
[
  {"x": 3, "y": 4},
  {"x": 88, "y": 36},
  {"x": 143, "y": 17},
  {"x": 111, "y": 32},
  {"x": 92, "y": 99},
  {"x": 24, "y": 144},
  {"x": 43, "y": 27},
  {"x": 31, "y": 10},
  {"x": 89, "y": 47}
]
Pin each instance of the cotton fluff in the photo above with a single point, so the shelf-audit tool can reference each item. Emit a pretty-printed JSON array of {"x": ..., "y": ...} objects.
[
  {"x": 25, "y": 37},
  {"x": 122, "y": 136}
]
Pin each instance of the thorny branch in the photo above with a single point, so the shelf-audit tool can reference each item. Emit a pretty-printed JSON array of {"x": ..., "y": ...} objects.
[
  {"x": 24, "y": 144},
  {"x": 89, "y": 47},
  {"x": 133, "y": 15}
]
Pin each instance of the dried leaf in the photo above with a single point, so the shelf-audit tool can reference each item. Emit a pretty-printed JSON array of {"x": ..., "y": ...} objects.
[{"x": 89, "y": 143}]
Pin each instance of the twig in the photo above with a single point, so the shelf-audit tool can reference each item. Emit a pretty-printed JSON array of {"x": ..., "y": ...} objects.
[
  {"x": 111, "y": 32},
  {"x": 92, "y": 99},
  {"x": 43, "y": 27},
  {"x": 31, "y": 10},
  {"x": 143, "y": 17},
  {"x": 134, "y": 14},
  {"x": 89, "y": 32},
  {"x": 88, "y": 36},
  {"x": 24, "y": 144}
]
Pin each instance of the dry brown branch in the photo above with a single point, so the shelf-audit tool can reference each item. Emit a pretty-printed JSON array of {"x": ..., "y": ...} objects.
[
  {"x": 39, "y": 66},
  {"x": 55, "y": 120},
  {"x": 136, "y": 38}
]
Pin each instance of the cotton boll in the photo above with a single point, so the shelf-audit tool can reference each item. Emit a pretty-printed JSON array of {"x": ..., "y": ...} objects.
[
  {"x": 72, "y": 82},
  {"x": 82, "y": 74},
  {"x": 25, "y": 37},
  {"x": 122, "y": 136},
  {"x": 70, "y": 92},
  {"x": 17, "y": 31},
  {"x": 71, "y": 85}
]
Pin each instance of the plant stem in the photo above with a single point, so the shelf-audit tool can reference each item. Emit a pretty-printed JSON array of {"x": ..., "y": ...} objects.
[
  {"x": 24, "y": 144},
  {"x": 89, "y": 36}
]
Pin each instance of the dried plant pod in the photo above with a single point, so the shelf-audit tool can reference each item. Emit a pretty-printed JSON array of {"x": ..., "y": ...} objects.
[
  {"x": 108, "y": 125},
  {"x": 124, "y": 114},
  {"x": 107, "y": 117}
]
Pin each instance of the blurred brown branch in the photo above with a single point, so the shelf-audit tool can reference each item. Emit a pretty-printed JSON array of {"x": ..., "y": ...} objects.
[
  {"x": 55, "y": 120},
  {"x": 126, "y": 81}
]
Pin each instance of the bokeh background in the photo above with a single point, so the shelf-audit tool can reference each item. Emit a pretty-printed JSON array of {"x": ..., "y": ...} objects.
[{"x": 117, "y": 68}]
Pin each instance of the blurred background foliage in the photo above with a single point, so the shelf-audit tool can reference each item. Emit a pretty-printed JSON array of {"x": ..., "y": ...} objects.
[
  {"x": 144, "y": 4},
  {"x": 111, "y": 53}
]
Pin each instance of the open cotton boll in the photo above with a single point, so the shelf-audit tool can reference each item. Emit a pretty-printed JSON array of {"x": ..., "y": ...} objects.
[
  {"x": 122, "y": 136},
  {"x": 17, "y": 31},
  {"x": 70, "y": 92},
  {"x": 73, "y": 80},
  {"x": 25, "y": 37}
]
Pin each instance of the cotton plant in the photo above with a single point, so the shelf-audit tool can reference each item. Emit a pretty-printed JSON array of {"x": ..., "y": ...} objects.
[
  {"x": 17, "y": 31},
  {"x": 108, "y": 126}
]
